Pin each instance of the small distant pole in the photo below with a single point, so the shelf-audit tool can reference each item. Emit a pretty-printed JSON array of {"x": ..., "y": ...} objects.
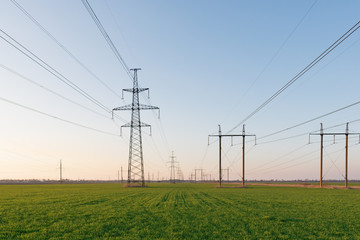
[
  {"x": 122, "y": 174},
  {"x": 118, "y": 176},
  {"x": 61, "y": 179}
]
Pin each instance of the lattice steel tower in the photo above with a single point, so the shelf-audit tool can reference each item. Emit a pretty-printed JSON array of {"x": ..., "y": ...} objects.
[{"x": 136, "y": 165}]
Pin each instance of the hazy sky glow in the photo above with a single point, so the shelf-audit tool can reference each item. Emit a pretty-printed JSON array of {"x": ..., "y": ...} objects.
[{"x": 205, "y": 62}]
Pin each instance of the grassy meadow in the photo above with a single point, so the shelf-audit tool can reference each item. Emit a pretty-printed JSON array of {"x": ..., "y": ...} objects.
[{"x": 177, "y": 211}]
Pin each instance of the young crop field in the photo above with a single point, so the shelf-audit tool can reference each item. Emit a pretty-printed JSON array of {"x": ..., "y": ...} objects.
[{"x": 177, "y": 211}]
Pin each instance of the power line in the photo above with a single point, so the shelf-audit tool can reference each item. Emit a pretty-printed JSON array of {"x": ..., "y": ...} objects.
[
  {"x": 301, "y": 134},
  {"x": 117, "y": 54},
  {"x": 55, "y": 117},
  {"x": 279, "y": 49},
  {"x": 333, "y": 163},
  {"x": 311, "y": 120},
  {"x": 294, "y": 136},
  {"x": 338, "y": 125},
  {"x": 107, "y": 38},
  {"x": 49, "y": 69},
  {"x": 302, "y": 72},
  {"x": 21, "y": 48},
  {"x": 51, "y": 91},
  {"x": 62, "y": 46},
  {"x": 282, "y": 163},
  {"x": 254, "y": 171},
  {"x": 281, "y": 157}
]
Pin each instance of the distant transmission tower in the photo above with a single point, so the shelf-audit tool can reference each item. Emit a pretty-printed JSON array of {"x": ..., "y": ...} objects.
[
  {"x": 172, "y": 168},
  {"x": 136, "y": 165}
]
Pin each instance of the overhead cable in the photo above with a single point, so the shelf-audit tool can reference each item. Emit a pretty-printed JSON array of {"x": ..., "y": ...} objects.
[
  {"x": 311, "y": 120},
  {"x": 51, "y": 91},
  {"x": 55, "y": 117},
  {"x": 21, "y": 48},
  {"x": 63, "y": 47},
  {"x": 302, "y": 72},
  {"x": 10, "y": 40},
  {"x": 279, "y": 49},
  {"x": 107, "y": 38}
]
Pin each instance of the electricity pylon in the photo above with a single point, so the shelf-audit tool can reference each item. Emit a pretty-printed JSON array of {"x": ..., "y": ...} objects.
[
  {"x": 172, "y": 168},
  {"x": 136, "y": 165}
]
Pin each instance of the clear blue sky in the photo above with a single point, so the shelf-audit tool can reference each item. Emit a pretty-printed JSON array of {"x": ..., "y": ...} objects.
[{"x": 205, "y": 62}]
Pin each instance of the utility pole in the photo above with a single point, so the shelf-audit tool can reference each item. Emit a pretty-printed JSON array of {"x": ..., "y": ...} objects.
[
  {"x": 122, "y": 180},
  {"x": 346, "y": 133},
  {"x": 61, "y": 179},
  {"x": 136, "y": 164},
  {"x": 118, "y": 176},
  {"x": 243, "y": 150}
]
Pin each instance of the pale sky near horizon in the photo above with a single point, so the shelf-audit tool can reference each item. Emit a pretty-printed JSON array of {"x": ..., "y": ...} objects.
[{"x": 205, "y": 62}]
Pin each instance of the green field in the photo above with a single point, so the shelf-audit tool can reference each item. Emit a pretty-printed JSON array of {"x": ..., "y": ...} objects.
[{"x": 177, "y": 211}]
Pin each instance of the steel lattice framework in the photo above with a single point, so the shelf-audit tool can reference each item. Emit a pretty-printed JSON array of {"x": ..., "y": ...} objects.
[{"x": 136, "y": 164}]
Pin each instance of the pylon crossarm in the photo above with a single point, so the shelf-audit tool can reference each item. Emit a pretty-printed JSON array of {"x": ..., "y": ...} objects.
[
  {"x": 334, "y": 134},
  {"x": 122, "y": 108},
  {"x": 144, "y": 125},
  {"x": 141, "y": 125},
  {"x": 147, "y": 107},
  {"x": 126, "y": 125},
  {"x": 135, "y": 90}
]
